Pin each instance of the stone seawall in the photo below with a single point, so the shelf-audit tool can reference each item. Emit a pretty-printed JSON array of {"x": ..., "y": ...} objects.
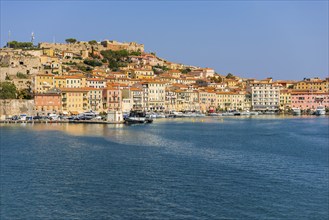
[{"x": 11, "y": 107}]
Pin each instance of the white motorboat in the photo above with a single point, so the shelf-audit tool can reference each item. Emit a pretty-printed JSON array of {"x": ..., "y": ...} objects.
[
  {"x": 296, "y": 111},
  {"x": 246, "y": 113},
  {"x": 214, "y": 114},
  {"x": 253, "y": 113},
  {"x": 320, "y": 110},
  {"x": 228, "y": 114}
]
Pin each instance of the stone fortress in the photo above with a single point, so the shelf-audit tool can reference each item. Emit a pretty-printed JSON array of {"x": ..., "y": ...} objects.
[{"x": 83, "y": 46}]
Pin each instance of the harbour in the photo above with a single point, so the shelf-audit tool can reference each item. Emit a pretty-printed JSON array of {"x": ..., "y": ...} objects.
[{"x": 205, "y": 167}]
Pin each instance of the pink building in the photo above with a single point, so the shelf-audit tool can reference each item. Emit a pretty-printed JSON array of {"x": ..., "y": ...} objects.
[
  {"x": 48, "y": 102},
  {"x": 112, "y": 97},
  {"x": 309, "y": 100}
]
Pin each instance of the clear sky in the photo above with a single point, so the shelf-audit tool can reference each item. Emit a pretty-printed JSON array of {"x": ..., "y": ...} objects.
[{"x": 279, "y": 39}]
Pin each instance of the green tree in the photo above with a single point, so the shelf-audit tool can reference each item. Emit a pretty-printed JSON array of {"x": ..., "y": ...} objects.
[
  {"x": 229, "y": 76},
  {"x": 71, "y": 40},
  {"x": 24, "y": 94},
  {"x": 21, "y": 75},
  {"x": 19, "y": 45},
  {"x": 135, "y": 53},
  {"x": 92, "y": 62},
  {"x": 187, "y": 70},
  {"x": 116, "y": 59},
  {"x": 92, "y": 42},
  {"x": 215, "y": 79},
  {"x": 7, "y": 90},
  {"x": 84, "y": 68}
]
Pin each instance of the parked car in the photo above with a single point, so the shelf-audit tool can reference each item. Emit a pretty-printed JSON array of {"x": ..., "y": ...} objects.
[
  {"x": 22, "y": 117},
  {"x": 37, "y": 117},
  {"x": 15, "y": 117},
  {"x": 53, "y": 117},
  {"x": 62, "y": 117},
  {"x": 98, "y": 117}
]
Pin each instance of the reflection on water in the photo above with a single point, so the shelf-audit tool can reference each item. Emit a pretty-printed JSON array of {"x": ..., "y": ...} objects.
[
  {"x": 230, "y": 168},
  {"x": 152, "y": 134}
]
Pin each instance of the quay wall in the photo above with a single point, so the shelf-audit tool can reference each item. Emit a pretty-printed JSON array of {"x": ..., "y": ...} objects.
[{"x": 11, "y": 107}]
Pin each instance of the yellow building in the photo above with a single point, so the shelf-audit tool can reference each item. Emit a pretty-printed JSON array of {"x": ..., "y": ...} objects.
[
  {"x": 231, "y": 82},
  {"x": 45, "y": 59},
  {"x": 95, "y": 98},
  {"x": 285, "y": 99},
  {"x": 48, "y": 51},
  {"x": 60, "y": 81},
  {"x": 231, "y": 101},
  {"x": 142, "y": 74},
  {"x": 73, "y": 82},
  {"x": 314, "y": 84},
  {"x": 186, "y": 100},
  {"x": 74, "y": 100},
  {"x": 43, "y": 82},
  {"x": 174, "y": 73},
  {"x": 207, "y": 100}
]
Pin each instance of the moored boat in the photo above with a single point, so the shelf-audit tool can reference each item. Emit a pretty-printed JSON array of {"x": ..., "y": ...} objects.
[
  {"x": 227, "y": 114},
  {"x": 214, "y": 114},
  {"x": 320, "y": 110},
  {"x": 138, "y": 117},
  {"x": 296, "y": 111}
]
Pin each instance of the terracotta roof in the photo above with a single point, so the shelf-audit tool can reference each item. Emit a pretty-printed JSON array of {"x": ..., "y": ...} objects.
[
  {"x": 136, "y": 89},
  {"x": 92, "y": 89},
  {"x": 73, "y": 89},
  {"x": 45, "y": 74},
  {"x": 95, "y": 79}
]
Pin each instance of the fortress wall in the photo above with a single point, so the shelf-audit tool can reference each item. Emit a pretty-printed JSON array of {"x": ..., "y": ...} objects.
[{"x": 11, "y": 107}]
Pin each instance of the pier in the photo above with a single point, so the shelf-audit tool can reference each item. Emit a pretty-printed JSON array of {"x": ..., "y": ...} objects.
[{"x": 57, "y": 122}]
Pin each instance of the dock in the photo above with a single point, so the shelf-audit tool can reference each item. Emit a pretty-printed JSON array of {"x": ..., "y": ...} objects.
[{"x": 58, "y": 122}]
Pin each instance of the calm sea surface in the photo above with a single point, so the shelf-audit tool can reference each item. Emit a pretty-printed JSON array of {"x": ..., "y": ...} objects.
[{"x": 210, "y": 168}]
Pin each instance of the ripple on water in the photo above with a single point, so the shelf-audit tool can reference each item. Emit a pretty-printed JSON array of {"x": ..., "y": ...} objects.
[{"x": 201, "y": 169}]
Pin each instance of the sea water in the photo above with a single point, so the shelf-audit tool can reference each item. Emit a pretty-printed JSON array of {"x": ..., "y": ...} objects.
[{"x": 202, "y": 168}]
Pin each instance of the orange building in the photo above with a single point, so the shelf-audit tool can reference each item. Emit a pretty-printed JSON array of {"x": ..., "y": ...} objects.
[{"x": 49, "y": 102}]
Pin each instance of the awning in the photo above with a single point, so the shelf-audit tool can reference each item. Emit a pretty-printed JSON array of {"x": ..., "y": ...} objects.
[
  {"x": 74, "y": 112},
  {"x": 65, "y": 113}
]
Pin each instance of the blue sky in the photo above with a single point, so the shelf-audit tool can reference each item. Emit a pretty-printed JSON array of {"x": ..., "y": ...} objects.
[{"x": 279, "y": 39}]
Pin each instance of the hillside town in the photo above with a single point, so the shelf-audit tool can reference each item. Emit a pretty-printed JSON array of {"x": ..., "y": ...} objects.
[{"x": 109, "y": 76}]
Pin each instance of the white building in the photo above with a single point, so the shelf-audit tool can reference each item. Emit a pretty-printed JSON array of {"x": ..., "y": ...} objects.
[{"x": 265, "y": 95}]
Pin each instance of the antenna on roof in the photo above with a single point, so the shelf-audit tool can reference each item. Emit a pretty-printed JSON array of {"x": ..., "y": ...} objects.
[
  {"x": 32, "y": 38},
  {"x": 54, "y": 39},
  {"x": 9, "y": 34}
]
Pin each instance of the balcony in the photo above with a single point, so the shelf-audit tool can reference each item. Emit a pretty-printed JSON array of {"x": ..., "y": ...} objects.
[{"x": 94, "y": 99}]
